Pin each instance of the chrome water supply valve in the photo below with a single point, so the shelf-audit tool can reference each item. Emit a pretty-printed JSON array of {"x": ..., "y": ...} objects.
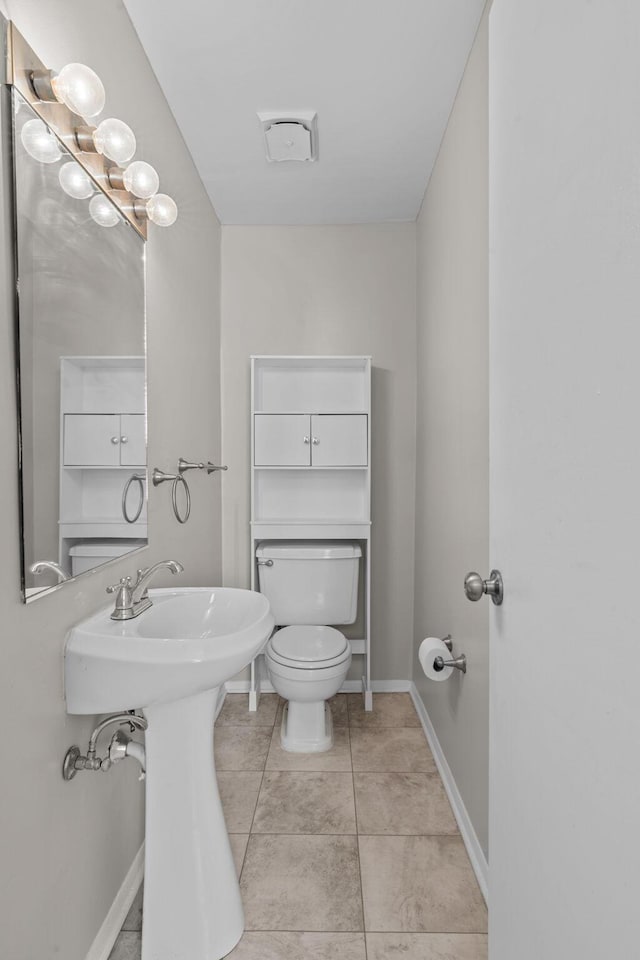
[{"x": 120, "y": 746}]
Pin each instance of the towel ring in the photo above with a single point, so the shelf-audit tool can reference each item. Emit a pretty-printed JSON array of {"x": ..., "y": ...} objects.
[
  {"x": 140, "y": 478},
  {"x": 174, "y": 499}
]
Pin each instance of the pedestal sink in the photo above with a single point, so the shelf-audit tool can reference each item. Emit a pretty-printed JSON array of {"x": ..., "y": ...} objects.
[{"x": 171, "y": 661}]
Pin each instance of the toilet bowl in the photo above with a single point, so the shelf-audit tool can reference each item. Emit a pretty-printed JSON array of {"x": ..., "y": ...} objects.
[
  {"x": 307, "y": 666},
  {"x": 309, "y": 584}
]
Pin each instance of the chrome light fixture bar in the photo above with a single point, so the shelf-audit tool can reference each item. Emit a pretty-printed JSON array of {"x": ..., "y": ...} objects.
[{"x": 64, "y": 102}]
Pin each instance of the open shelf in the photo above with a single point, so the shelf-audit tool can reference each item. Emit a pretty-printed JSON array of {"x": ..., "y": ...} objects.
[{"x": 311, "y": 384}]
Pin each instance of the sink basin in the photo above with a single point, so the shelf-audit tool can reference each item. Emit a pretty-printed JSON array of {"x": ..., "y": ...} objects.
[
  {"x": 189, "y": 640},
  {"x": 170, "y": 661}
]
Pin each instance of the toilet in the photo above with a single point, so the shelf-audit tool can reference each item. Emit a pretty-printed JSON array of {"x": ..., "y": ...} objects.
[{"x": 309, "y": 584}]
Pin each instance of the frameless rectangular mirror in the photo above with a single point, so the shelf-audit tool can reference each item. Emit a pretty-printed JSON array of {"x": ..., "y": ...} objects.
[{"x": 81, "y": 364}]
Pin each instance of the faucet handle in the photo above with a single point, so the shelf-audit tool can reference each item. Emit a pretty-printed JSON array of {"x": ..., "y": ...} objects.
[
  {"x": 124, "y": 598},
  {"x": 123, "y": 584}
]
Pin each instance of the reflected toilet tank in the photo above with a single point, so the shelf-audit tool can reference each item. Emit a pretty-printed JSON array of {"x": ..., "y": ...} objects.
[{"x": 310, "y": 582}]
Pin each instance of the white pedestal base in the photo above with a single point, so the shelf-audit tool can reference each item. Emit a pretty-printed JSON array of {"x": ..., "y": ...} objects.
[
  {"x": 192, "y": 905},
  {"x": 306, "y": 727}
]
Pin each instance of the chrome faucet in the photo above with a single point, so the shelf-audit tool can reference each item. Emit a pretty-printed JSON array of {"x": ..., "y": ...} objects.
[
  {"x": 132, "y": 599},
  {"x": 41, "y": 565}
]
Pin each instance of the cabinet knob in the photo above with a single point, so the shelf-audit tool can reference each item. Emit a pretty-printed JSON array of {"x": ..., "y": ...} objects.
[
  {"x": 124, "y": 439},
  {"x": 115, "y": 439},
  {"x": 305, "y": 439},
  {"x": 315, "y": 441}
]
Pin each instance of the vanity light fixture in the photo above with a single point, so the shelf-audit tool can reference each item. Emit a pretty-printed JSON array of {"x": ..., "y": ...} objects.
[
  {"x": 76, "y": 85},
  {"x": 139, "y": 178},
  {"x": 65, "y": 102},
  {"x": 160, "y": 209},
  {"x": 103, "y": 211},
  {"x": 74, "y": 181},
  {"x": 112, "y": 138},
  {"x": 39, "y": 142}
]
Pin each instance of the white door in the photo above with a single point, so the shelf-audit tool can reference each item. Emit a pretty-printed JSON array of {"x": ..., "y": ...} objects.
[
  {"x": 565, "y": 479},
  {"x": 282, "y": 440},
  {"x": 339, "y": 440}
]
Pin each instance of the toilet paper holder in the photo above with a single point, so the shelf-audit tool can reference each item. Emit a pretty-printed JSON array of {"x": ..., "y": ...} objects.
[{"x": 459, "y": 663}]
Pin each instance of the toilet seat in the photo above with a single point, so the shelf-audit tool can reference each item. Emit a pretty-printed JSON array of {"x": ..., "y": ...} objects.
[{"x": 308, "y": 647}]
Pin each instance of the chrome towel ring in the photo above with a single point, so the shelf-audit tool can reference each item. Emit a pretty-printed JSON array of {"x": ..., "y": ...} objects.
[
  {"x": 140, "y": 479},
  {"x": 159, "y": 476},
  {"x": 174, "y": 499}
]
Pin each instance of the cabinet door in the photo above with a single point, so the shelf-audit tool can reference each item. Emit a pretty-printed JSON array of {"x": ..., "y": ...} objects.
[
  {"x": 133, "y": 452},
  {"x": 92, "y": 439},
  {"x": 339, "y": 440},
  {"x": 281, "y": 440}
]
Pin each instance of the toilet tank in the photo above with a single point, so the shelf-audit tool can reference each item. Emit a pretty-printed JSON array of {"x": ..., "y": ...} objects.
[{"x": 314, "y": 582}]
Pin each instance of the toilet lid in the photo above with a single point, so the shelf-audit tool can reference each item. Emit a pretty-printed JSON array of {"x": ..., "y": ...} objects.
[{"x": 309, "y": 644}]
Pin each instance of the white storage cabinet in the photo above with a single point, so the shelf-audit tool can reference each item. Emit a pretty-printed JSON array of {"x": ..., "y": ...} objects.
[
  {"x": 102, "y": 442},
  {"x": 310, "y": 456}
]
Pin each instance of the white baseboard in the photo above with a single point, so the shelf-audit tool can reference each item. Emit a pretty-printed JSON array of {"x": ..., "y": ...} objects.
[
  {"x": 469, "y": 836},
  {"x": 349, "y": 686},
  {"x": 108, "y": 932},
  {"x": 222, "y": 693}
]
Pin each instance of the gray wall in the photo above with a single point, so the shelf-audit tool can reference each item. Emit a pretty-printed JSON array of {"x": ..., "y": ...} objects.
[
  {"x": 330, "y": 290},
  {"x": 452, "y": 487},
  {"x": 66, "y": 847}
]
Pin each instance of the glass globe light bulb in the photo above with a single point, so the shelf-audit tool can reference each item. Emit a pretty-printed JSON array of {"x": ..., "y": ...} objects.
[
  {"x": 162, "y": 210},
  {"x": 74, "y": 181},
  {"x": 103, "y": 211},
  {"x": 141, "y": 179},
  {"x": 39, "y": 142},
  {"x": 80, "y": 89},
  {"x": 115, "y": 140}
]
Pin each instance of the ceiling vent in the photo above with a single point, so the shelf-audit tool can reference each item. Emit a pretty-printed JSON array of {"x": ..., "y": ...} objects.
[{"x": 290, "y": 136}]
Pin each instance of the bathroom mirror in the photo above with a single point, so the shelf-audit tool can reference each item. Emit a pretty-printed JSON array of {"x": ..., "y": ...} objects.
[{"x": 81, "y": 364}]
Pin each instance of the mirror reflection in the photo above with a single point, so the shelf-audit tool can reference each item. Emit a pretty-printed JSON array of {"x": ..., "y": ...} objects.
[{"x": 81, "y": 348}]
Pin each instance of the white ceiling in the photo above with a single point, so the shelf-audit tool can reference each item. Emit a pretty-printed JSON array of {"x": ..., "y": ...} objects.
[{"x": 382, "y": 75}]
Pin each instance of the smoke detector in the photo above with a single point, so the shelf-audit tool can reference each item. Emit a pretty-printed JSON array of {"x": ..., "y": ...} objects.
[{"x": 290, "y": 136}]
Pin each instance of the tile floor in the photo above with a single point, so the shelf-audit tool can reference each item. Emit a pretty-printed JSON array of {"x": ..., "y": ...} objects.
[{"x": 350, "y": 854}]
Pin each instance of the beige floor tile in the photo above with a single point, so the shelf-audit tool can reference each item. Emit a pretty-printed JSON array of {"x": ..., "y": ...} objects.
[
  {"x": 128, "y": 946},
  {"x": 239, "y": 843},
  {"x": 339, "y": 710},
  {"x": 305, "y": 883},
  {"x": 300, "y": 946},
  {"x": 241, "y": 748},
  {"x": 305, "y": 802},
  {"x": 338, "y": 758},
  {"x": 402, "y": 803},
  {"x": 391, "y": 749},
  {"x": 239, "y": 795},
  {"x": 235, "y": 711},
  {"x": 426, "y": 946},
  {"x": 419, "y": 885},
  {"x": 389, "y": 710},
  {"x": 133, "y": 920}
]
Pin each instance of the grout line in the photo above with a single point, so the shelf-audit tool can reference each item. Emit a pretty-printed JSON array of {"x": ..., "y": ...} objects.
[{"x": 355, "y": 810}]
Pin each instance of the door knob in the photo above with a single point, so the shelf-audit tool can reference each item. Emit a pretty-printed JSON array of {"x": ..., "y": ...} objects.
[{"x": 475, "y": 587}]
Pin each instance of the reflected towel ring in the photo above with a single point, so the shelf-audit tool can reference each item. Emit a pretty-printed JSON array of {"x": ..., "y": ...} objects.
[
  {"x": 174, "y": 499},
  {"x": 140, "y": 478}
]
